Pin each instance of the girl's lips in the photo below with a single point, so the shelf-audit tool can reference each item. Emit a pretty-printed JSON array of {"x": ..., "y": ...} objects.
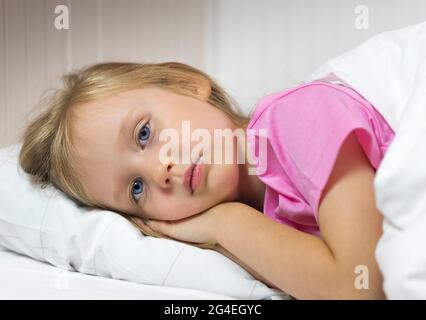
[
  {"x": 197, "y": 175},
  {"x": 187, "y": 177},
  {"x": 193, "y": 176}
]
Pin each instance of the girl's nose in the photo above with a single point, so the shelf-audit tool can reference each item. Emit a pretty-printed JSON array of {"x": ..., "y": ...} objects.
[{"x": 163, "y": 175}]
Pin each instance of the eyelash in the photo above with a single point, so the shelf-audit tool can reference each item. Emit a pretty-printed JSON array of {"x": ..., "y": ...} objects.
[{"x": 139, "y": 131}]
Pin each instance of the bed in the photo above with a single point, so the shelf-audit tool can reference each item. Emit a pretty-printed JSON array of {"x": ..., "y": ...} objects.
[{"x": 25, "y": 278}]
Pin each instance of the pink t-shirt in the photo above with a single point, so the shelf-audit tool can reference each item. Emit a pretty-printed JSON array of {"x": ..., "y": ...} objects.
[{"x": 306, "y": 126}]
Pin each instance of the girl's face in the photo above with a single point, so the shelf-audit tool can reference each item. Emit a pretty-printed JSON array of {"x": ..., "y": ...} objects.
[{"x": 117, "y": 141}]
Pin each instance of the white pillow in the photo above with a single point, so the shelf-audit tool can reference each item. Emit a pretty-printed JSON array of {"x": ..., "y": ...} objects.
[{"x": 46, "y": 225}]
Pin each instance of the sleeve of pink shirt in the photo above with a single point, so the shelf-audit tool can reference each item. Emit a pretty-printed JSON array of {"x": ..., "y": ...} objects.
[{"x": 306, "y": 129}]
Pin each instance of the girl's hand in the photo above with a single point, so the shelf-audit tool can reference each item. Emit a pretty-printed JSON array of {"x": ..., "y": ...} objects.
[{"x": 200, "y": 228}]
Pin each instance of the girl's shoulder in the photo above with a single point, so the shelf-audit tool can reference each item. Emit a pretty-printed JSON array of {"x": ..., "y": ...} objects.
[{"x": 301, "y": 95}]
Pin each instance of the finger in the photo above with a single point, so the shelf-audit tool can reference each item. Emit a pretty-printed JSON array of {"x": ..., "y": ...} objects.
[
  {"x": 164, "y": 227},
  {"x": 142, "y": 225},
  {"x": 138, "y": 222},
  {"x": 154, "y": 225}
]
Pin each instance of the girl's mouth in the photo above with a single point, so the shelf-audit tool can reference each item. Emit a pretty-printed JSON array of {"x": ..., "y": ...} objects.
[{"x": 193, "y": 175}]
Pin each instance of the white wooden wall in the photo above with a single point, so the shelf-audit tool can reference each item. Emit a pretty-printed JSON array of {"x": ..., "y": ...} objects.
[
  {"x": 34, "y": 54},
  {"x": 252, "y": 47},
  {"x": 259, "y": 47}
]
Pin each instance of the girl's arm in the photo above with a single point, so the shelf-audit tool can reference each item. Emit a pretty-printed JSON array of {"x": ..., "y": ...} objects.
[
  {"x": 250, "y": 270},
  {"x": 306, "y": 266}
]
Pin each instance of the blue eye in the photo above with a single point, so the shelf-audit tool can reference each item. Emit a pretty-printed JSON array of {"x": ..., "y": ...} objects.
[
  {"x": 137, "y": 189},
  {"x": 144, "y": 133},
  {"x": 143, "y": 136}
]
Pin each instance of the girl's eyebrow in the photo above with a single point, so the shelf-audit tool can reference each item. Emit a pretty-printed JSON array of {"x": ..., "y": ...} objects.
[{"x": 125, "y": 127}]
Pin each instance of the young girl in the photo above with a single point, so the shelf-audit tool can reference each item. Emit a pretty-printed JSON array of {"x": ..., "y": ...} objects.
[{"x": 306, "y": 223}]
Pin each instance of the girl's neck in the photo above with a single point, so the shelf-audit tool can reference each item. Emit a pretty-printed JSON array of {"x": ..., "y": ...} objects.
[{"x": 251, "y": 190}]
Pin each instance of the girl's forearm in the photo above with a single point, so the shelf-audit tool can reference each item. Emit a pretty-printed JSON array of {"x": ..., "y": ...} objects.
[
  {"x": 295, "y": 262},
  {"x": 249, "y": 269}
]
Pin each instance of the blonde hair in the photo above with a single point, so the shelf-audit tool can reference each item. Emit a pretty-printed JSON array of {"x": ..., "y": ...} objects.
[{"x": 47, "y": 153}]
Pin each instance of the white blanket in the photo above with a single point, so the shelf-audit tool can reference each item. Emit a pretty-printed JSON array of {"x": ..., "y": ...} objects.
[{"x": 390, "y": 71}]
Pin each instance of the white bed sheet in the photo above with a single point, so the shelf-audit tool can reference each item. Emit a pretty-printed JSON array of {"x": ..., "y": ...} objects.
[{"x": 25, "y": 278}]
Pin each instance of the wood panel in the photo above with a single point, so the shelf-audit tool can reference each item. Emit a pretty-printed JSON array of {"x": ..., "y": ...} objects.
[{"x": 34, "y": 55}]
